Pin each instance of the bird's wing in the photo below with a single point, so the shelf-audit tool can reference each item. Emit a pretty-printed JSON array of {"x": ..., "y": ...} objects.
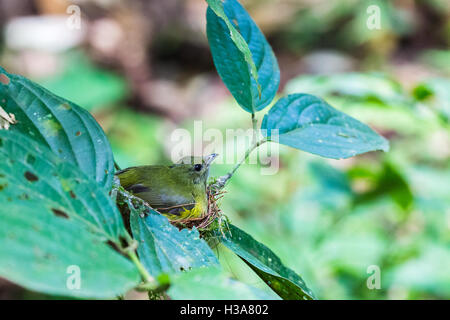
[
  {"x": 153, "y": 190},
  {"x": 159, "y": 198}
]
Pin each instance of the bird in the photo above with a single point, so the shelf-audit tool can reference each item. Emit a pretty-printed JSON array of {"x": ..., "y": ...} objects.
[{"x": 177, "y": 191}]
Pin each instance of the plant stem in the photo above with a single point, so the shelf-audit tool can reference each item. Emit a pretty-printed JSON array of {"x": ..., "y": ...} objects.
[
  {"x": 149, "y": 281},
  {"x": 254, "y": 125},
  {"x": 220, "y": 183}
]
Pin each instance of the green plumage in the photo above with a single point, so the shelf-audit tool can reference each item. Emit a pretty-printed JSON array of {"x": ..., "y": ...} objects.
[{"x": 177, "y": 191}]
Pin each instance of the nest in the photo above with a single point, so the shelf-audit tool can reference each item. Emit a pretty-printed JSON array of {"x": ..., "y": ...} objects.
[{"x": 211, "y": 215}]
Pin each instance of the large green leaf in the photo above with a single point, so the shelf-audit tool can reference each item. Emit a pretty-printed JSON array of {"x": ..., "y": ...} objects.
[
  {"x": 70, "y": 131},
  {"x": 285, "y": 282},
  {"x": 30, "y": 171},
  {"x": 211, "y": 283},
  {"x": 164, "y": 249},
  {"x": 310, "y": 124},
  {"x": 242, "y": 56},
  {"x": 42, "y": 251}
]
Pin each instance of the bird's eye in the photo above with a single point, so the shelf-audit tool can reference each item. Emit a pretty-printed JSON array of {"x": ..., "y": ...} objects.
[{"x": 198, "y": 167}]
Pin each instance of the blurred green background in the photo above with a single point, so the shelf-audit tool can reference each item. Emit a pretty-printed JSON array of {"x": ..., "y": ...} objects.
[{"x": 143, "y": 69}]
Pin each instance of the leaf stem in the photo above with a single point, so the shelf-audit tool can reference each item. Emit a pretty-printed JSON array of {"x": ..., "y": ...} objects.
[
  {"x": 149, "y": 282},
  {"x": 220, "y": 183},
  {"x": 254, "y": 126}
]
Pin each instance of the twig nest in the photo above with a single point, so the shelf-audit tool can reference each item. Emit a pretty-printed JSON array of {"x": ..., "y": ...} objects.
[{"x": 211, "y": 215}]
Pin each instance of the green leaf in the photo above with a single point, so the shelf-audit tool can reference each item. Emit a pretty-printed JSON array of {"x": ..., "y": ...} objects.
[
  {"x": 70, "y": 131},
  {"x": 165, "y": 249},
  {"x": 310, "y": 124},
  {"x": 212, "y": 284},
  {"x": 39, "y": 249},
  {"x": 242, "y": 56},
  {"x": 285, "y": 282},
  {"x": 30, "y": 171}
]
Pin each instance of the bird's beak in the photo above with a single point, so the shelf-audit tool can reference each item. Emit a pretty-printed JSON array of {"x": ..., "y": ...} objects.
[{"x": 210, "y": 158}]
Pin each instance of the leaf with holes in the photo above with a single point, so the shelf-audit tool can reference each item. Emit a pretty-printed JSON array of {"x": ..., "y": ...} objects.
[
  {"x": 305, "y": 122},
  {"x": 30, "y": 171},
  {"x": 44, "y": 252},
  {"x": 211, "y": 283},
  {"x": 164, "y": 249},
  {"x": 285, "y": 282},
  {"x": 70, "y": 131},
  {"x": 242, "y": 56}
]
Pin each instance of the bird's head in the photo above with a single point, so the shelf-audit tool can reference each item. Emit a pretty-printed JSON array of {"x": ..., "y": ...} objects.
[{"x": 197, "y": 167}]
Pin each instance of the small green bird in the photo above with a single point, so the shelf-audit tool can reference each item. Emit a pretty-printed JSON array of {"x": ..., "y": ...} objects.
[{"x": 177, "y": 191}]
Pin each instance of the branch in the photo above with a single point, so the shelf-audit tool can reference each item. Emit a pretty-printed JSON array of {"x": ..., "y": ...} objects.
[
  {"x": 149, "y": 281},
  {"x": 220, "y": 183},
  {"x": 254, "y": 126}
]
